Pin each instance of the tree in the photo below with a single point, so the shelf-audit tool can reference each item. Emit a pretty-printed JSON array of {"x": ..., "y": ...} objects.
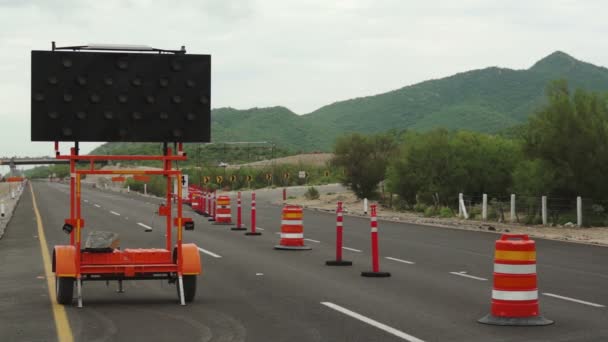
[
  {"x": 364, "y": 160},
  {"x": 569, "y": 137}
]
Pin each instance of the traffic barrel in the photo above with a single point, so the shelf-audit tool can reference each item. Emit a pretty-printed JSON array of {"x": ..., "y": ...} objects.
[
  {"x": 292, "y": 229},
  {"x": 339, "y": 228},
  {"x": 223, "y": 214},
  {"x": 515, "y": 290},
  {"x": 239, "y": 217},
  {"x": 375, "y": 272}
]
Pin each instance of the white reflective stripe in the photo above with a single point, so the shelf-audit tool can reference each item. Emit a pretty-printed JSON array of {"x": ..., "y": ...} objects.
[
  {"x": 340, "y": 214},
  {"x": 73, "y": 175},
  {"x": 374, "y": 219},
  {"x": 374, "y": 229},
  {"x": 339, "y": 224},
  {"x": 223, "y": 207},
  {"x": 514, "y": 269},
  {"x": 292, "y": 236},
  {"x": 222, "y": 215},
  {"x": 514, "y": 295},
  {"x": 291, "y": 222}
]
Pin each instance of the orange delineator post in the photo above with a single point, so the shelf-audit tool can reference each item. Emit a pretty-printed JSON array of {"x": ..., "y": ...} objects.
[
  {"x": 515, "y": 291},
  {"x": 292, "y": 229},
  {"x": 253, "y": 231},
  {"x": 339, "y": 232},
  {"x": 375, "y": 272},
  {"x": 239, "y": 217},
  {"x": 224, "y": 214}
]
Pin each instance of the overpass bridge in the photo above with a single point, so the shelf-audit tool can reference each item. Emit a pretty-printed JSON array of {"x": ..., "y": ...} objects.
[{"x": 12, "y": 162}]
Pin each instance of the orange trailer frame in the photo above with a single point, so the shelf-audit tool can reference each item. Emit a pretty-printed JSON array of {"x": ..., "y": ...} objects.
[{"x": 179, "y": 263}]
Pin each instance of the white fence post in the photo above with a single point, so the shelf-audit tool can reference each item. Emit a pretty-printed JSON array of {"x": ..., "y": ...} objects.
[
  {"x": 365, "y": 206},
  {"x": 459, "y": 207},
  {"x": 2, "y": 210},
  {"x": 128, "y": 188},
  {"x": 544, "y": 209},
  {"x": 145, "y": 189},
  {"x": 579, "y": 211},
  {"x": 512, "y": 208},
  {"x": 463, "y": 207},
  {"x": 484, "y": 207}
]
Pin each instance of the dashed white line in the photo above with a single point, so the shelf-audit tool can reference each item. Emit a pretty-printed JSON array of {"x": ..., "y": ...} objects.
[
  {"x": 311, "y": 240},
  {"x": 464, "y": 274},
  {"x": 97, "y": 205},
  {"x": 148, "y": 228},
  {"x": 574, "y": 300},
  {"x": 352, "y": 249},
  {"x": 114, "y": 213},
  {"x": 86, "y": 201},
  {"x": 401, "y": 260},
  {"x": 209, "y": 253},
  {"x": 258, "y": 228},
  {"x": 373, "y": 323}
]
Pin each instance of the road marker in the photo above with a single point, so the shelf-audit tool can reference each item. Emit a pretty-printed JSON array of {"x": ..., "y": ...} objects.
[
  {"x": 148, "y": 228},
  {"x": 114, "y": 213},
  {"x": 209, "y": 253},
  {"x": 374, "y": 323},
  {"x": 464, "y": 274},
  {"x": 97, "y": 205},
  {"x": 62, "y": 325},
  {"x": 400, "y": 260},
  {"x": 351, "y": 249},
  {"x": 258, "y": 228},
  {"x": 311, "y": 240},
  {"x": 259, "y": 274},
  {"x": 86, "y": 201},
  {"x": 574, "y": 300}
]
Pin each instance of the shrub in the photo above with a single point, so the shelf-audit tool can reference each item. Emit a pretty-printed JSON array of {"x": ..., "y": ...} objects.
[
  {"x": 446, "y": 212},
  {"x": 420, "y": 207},
  {"x": 312, "y": 193},
  {"x": 431, "y": 211}
]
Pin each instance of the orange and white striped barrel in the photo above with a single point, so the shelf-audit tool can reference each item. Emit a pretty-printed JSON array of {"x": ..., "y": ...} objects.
[
  {"x": 515, "y": 291},
  {"x": 223, "y": 214},
  {"x": 292, "y": 229}
]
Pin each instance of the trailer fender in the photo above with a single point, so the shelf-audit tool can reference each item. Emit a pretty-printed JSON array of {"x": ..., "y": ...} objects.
[
  {"x": 192, "y": 259},
  {"x": 64, "y": 261}
]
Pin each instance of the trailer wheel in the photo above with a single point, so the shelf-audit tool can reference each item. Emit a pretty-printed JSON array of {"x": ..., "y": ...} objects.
[
  {"x": 64, "y": 287},
  {"x": 189, "y": 288}
]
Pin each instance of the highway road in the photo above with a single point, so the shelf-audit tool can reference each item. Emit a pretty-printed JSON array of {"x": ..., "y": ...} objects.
[{"x": 440, "y": 284}]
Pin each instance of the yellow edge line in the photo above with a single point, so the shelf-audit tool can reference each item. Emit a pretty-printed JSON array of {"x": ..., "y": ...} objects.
[{"x": 64, "y": 332}]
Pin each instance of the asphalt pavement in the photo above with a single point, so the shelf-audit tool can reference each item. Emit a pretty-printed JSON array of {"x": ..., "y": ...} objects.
[{"x": 440, "y": 285}]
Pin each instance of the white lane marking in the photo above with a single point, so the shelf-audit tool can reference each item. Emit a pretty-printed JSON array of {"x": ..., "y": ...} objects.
[
  {"x": 114, "y": 213},
  {"x": 97, "y": 205},
  {"x": 145, "y": 226},
  {"x": 259, "y": 274},
  {"x": 400, "y": 260},
  {"x": 372, "y": 322},
  {"x": 352, "y": 249},
  {"x": 86, "y": 201},
  {"x": 258, "y": 228},
  {"x": 464, "y": 274},
  {"x": 574, "y": 300},
  {"x": 209, "y": 253},
  {"x": 311, "y": 240}
]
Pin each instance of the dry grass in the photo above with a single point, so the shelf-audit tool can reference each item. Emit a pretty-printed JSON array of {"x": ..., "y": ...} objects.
[{"x": 315, "y": 159}]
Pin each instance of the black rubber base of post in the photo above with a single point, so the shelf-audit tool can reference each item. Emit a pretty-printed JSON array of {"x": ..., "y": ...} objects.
[
  {"x": 205, "y": 214},
  {"x": 238, "y": 228},
  {"x": 375, "y": 274},
  {"x": 253, "y": 234},
  {"x": 338, "y": 263},
  {"x": 211, "y": 219},
  {"x": 293, "y": 248},
  {"x": 515, "y": 321}
]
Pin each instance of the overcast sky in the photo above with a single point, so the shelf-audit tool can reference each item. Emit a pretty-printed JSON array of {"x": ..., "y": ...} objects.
[{"x": 298, "y": 54}]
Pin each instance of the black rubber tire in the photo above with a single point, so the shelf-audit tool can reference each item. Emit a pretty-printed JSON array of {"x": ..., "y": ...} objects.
[
  {"x": 189, "y": 288},
  {"x": 64, "y": 287}
]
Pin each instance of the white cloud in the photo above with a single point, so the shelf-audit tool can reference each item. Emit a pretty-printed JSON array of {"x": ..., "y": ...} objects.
[{"x": 300, "y": 54}]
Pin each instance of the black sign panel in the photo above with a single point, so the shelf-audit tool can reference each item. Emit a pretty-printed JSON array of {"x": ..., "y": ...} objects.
[{"x": 136, "y": 97}]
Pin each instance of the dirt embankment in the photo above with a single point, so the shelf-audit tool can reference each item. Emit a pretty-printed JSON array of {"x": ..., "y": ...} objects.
[
  {"x": 354, "y": 206},
  {"x": 315, "y": 159}
]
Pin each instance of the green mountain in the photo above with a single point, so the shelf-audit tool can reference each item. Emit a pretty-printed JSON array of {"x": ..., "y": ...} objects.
[{"x": 485, "y": 100}]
